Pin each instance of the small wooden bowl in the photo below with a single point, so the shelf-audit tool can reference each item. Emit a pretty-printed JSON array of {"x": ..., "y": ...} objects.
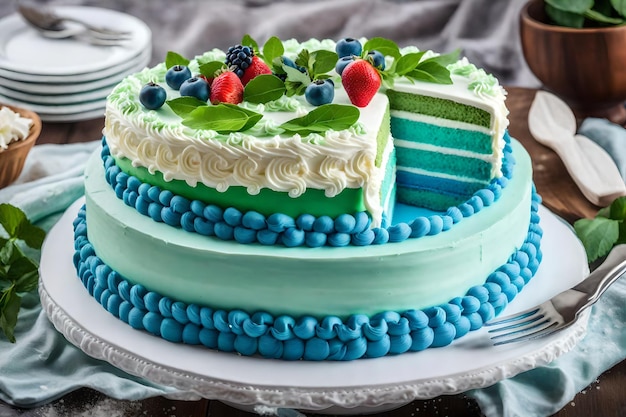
[
  {"x": 12, "y": 158},
  {"x": 585, "y": 67}
]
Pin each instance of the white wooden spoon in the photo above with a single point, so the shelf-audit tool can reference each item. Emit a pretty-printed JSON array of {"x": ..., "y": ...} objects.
[{"x": 553, "y": 124}]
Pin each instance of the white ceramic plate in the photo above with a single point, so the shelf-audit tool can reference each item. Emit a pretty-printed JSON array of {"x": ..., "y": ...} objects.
[
  {"x": 368, "y": 385},
  {"x": 56, "y": 100},
  {"x": 23, "y": 49},
  {"x": 61, "y": 89},
  {"x": 58, "y": 108},
  {"x": 143, "y": 57},
  {"x": 72, "y": 117}
]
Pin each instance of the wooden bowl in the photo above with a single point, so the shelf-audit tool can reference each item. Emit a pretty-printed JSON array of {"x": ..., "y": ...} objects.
[
  {"x": 12, "y": 158},
  {"x": 585, "y": 67}
]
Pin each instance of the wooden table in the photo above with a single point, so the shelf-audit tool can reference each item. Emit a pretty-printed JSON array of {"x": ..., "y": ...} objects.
[{"x": 604, "y": 397}]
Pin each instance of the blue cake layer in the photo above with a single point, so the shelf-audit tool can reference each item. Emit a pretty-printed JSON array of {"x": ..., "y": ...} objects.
[{"x": 295, "y": 338}]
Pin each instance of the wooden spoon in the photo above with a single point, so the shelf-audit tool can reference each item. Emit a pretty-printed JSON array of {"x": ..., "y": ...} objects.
[{"x": 553, "y": 124}]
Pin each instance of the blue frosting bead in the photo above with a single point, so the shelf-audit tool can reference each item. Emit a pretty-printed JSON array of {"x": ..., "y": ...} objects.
[
  {"x": 339, "y": 239},
  {"x": 345, "y": 223},
  {"x": 283, "y": 328},
  {"x": 208, "y": 337},
  {"x": 324, "y": 224},
  {"x": 444, "y": 335},
  {"x": 171, "y": 330},
  {"x": 436, "y": 225},
  {"x": 165, "y": 197},
  {"x": 154, "y": 211},
  {"x": 270, "y": 347},
  {"x": 131, "y": 199},
  {"x": 399, "y": 328},
  {"x": 447, "y": 223},
  {"x": 510, "y": 291},
  {"x": 327, "y": 329},
  {"x": 179, "y": 312},
  {"x": 293, "y": 349},
  {"x": 221, "y": 322},
  {"x": 500, "y": 278},
  {"x": 279, "y": 222},
  {"x": 206, "y": 318},
  {"x": 232, "y": 217},
  {"x": 191, "y": 334},
  {"x": 305, "y": 222},
  {"x": 476, "y": 321},
  {"x": 133, "y": 183},
  {"x": 165, "y": 306},
  {"x": 226, "y": 342},
  {"x": 363, "y": 222},
  {"x": 375, "y": 330},
  {"x": 316, "y": 349},
  {"x": 315, "y": 239},
  {"x": 420, "y": 226},
  {"x": 455, "y": 214},
  {"x": 379, "y": 348},
  {"x": 213, "y": 213},
  {"x": 533, "y": 265},
  {"x": 381, "y": 236},
  {"x": 500, "y": 303},
  {"x": 518, "y": 282},
  {"x": 530, "y": 249},
  {"x": 336, "y": 350},
  {"x": 436, "y": 316},
  {"x": 453, "y": 312},
  {"x": 462, "y": 327},
  {"x": 187, "y": 221},
  {"x": 204, "y": 227},
  {"x": 197, "y": 207},
  {"x": 124, "y": 309},
  {"x": 193, "y": 313},
  {"x": 399, "y": 232},
  {"x": 236, "y": 320},
  {"x": 399, "y": 344},
  {"x": 476, "y": 203},
  {"x": 143, "y": 191},
  {"x": 486, "y": 196},
  {"x": 137, "y": 293},
  {"x": 422, "y": 339},
  {"x": 119, "y": 191},
  {"x": 170, "y": 217},
  {"x": 135, "y": 318},
  {"x": 293, "y": 237},
  {"x": 113, "y": 304},
  {"x": 512, "y": 269},
  {"x": 487, "y": 311},
  {"x": 417, "y": 319},
  {"x": 522, "y": 259},
  {"x": 154, "y": 193},
  {"x": 470, "y": 304},
  {"x": 305, "y": 327},
  {"x": 180, "y": 204},
  {"x": 245, "y": 345},
  {"x": 151, "y": 301},
  {"x": 253, "y": 329},
  {"x": 253, "y": 220},
  {"x": 243, "y": 235},
  {"x": 113, "y": 280},
  {"x": 355, "y": 349},
  {"x": 87, "y": 251},
  {"x": 224, "y": 231},
  {"x": 267, "y": 237},
  {"x": 480, "y": 292},
  {"x": 363, "y": 238},
  {"x": 152, "y": 323},
  {"x": 494, "y": 290},
  {"x": 466, "y": 209}
]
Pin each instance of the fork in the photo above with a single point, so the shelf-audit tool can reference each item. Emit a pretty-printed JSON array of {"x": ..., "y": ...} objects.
[
  {"x": 562, "y": 310},
  {"x": 52, "y": 26}
]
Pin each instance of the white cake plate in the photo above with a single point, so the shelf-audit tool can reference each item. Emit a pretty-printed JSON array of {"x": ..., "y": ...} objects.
[{"x": 361, "y": 386}]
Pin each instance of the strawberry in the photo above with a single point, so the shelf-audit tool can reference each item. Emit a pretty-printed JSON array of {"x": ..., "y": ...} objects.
[
  {"x": 226, "y": 88},
  {"x": 361, "y": 81},
  {"x": 257, "y": 67}
]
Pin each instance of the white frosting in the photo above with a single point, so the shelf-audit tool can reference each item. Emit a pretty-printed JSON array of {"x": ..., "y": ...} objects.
[{"x": 13, "y": 127}]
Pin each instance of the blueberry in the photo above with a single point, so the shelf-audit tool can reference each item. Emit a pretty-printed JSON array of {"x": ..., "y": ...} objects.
[
  {"x": 195, "y": 87},
  {"x": 152, "y": 96},
  {"x": 320, "y": 92},
  {"x": 347, "y": 47},
  {"x": 343, "y": 62},
  {"x": 176, "y": 75},
  {"x": 290, "y": 63},
  {"x": 377, "y": 59}
]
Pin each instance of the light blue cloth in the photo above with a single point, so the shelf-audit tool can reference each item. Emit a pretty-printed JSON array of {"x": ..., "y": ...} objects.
[
  {"x": 610, "y": 136},
  {"x": 42, "y": 366}
]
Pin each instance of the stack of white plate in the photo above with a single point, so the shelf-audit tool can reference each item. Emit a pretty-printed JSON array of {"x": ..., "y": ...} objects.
[{"x": 66, "y": 80}]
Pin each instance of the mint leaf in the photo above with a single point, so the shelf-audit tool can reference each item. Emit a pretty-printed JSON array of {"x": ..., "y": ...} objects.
[
  {"x": 303, "y": 58},
  {"x": 382, "y": 45},
  {"x": 572, "y": 6},
  {"x": 182, "y": 106},
  {"x": 172, "y": 58},
  {"x": 209, "y": 69},
  {"x": 407, "y": 63},
  {"x": 598, "y": 235},
  {"x": 601, "y": 18},
  {"x": 445, "y": 59},
  {"x": 323, "y": 118},
  {"x": 563, "y": 18},
  {"x": 32, "y": 235},
  {"x": 6, "y": 251},
  {"x": 248, "y": 41},
  {"x": 264, "y": 88},
  {"x": 253, "y": 117},
  {"x": 273, "y": 48},
  {"x": 11, "y": 218},
  {"x": 431, "y": 72},
  {"x": 5, "y": 284},
  {"x": 20, "y": 268},
  {"x": 221, "y": 118},
  {"x": 323, "y": 62},
  {"x": 617, "y": 209},
  {"x": 9, "y": 307},
  {"x": 619, "y": 6}
]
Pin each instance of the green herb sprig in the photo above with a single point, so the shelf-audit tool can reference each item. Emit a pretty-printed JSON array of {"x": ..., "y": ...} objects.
[
  {"x": 18, "y": 273},
  {"x": 586, "y": 13},
  {"x": 606, "y": 230}
]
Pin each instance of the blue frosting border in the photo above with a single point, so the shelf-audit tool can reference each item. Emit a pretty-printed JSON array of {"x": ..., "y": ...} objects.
[
  {"x": 307, "y": 338},
  {"x": 306, "y": 230}
]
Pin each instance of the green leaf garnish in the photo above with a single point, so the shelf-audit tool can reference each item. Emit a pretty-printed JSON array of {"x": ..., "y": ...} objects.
[
  {"x": 323, "y": 118},
  {"x": 248, "y": 41},
  {"x": 182, "y": 106},
  {"x": 382, "y": 45},
  {"x": 322, "y": 62},
  {"x": 601, "y": 18},
  {"x": 445, "y": 59},
  {"x": 296, "y": 81},
  {"x": 208, "y": 69},
  {"x": 408, "y": 63},
  {"x": 431, "y": 72},
  {"x": 264, "y": 88},
  {"x": 572, "y": 6},
  {"x": 221, "y": 118},
  {"x": 253, "y": 117},
  {"x": 172, "y": 58},
  {"x": 18, "y": 273},
  {"x": 272, "y": 49},
  {"x": 598, "y": 235}
]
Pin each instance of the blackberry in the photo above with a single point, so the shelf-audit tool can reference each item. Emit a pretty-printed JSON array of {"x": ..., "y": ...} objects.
[{"x": 239, "y": 58}]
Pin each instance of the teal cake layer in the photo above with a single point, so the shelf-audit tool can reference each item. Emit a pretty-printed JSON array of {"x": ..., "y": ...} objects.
[
  {"x": 415, "y": 273},
  {"x": 433, "y": 161}
]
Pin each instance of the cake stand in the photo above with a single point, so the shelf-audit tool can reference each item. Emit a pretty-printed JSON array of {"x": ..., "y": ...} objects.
[{"x": 361, "y": 386}]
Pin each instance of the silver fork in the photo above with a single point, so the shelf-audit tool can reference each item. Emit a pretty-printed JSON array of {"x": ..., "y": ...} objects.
[
  {"x": 52, "y": 26},
  {"x": 562, "y": 310}
]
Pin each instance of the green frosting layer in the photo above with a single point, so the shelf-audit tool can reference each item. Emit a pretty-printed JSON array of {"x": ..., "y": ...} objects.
[
  {"x": 438, "y": 107},
  {"x": 266, "y": 202}
]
